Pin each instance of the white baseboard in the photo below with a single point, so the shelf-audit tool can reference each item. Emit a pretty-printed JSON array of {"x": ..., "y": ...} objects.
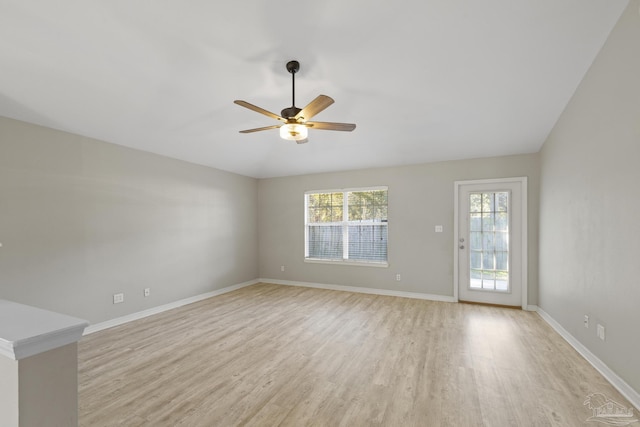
[
  {"x": 532, "y": 308},
  {"x": 161, "y": 308},
  {"x": 155, "y": 310},
  {"x": 357, "y": 289},
  {"x": 625, "y": 389}
]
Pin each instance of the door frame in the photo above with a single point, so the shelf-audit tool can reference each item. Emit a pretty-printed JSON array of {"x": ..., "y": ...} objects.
[{"x": 522, "y": 180}]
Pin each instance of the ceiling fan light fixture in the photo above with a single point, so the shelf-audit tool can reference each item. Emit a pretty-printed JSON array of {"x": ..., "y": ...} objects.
[{"x": 293, "y": 132}]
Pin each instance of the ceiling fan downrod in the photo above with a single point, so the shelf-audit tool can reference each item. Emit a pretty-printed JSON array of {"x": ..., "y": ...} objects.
[{"x": 292, "y": 67}]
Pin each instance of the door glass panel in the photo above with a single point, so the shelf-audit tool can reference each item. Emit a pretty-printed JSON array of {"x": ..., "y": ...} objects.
[
  {"x": 476, "y": 279},
  {"x": 502, "y": 202},
  {"x": 502, "y": 241},
  {"x": 475, "y": 240},
  {"x": 476, "y": 260},
  {"x": 475, "y": 221},
  {"x": 489, "y": 241},
  {"x": 488, "y": 279},
  {"x": 475, "y": 202},
  {"x": 502, "y": 221}
]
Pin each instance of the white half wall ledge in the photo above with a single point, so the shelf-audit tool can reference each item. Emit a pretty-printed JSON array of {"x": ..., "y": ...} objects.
[
  {"x": 362, "y": 290},
  {"x": 26, "y": 331},
  {"x": 621, "y": 385}
]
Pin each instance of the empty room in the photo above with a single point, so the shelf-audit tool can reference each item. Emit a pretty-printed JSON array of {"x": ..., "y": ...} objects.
[{"x": 330, "y": 214}]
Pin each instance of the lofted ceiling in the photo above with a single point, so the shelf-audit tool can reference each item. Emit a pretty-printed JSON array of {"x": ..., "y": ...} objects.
[{"x": 424, "y": 80}]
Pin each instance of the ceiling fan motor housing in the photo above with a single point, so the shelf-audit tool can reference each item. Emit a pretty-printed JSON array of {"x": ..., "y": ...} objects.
[{"x": 290, "y": 113}]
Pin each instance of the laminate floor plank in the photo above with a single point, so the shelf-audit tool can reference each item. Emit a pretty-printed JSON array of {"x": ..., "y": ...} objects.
[{"x": 271, "y": 355}]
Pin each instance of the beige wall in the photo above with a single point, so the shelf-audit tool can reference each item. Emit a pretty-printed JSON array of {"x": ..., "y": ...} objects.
[
  {"x": 81, "y": 220},
  {"x": 589, "y": 206},
  {"x": 420, "y": 197}
]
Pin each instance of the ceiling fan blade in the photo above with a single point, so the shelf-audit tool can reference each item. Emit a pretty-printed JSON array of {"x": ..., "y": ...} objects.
[
  {"x": 314, "y": 107},
  {"x": 348, "y": 127},
  {"x": 259, "y": 129},
  {"x": 259, "y": 110}
]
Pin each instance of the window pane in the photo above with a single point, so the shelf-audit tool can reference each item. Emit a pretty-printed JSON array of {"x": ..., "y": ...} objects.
[
  {"x": 367, "y": 205},
  {"x": 502, "y": 202},
  {"x": 502, "y": 221},
  {"x": 324, "y": 207},
  {"x": 488, "y": 280},
  {"x": 316, "y": 215},
  {"x": 502, "y": 261},
  {"x": 475, "y": 242},
  {"x": 381, "y": 213},
  {"x": 476, "y": 260},
  {"x": 475, "y": 222},
  {"x": 501, "y": 241},
  {"x": 487, "y": 202},
  {"x": 313, "y": 200},
  {"x": 487, "y": 261},
  {"x": 325, "y": 241},
  {"x": 502, "y": 280},
  {"x": 476, "y": 279},
  {"x": 368, "y": 242},
  {"x": 475, "y": 203},
  {"x": 487, "y": 242},
  {"x": 330, "y": 199},
  {"x": 336, "y": 213},
  {"x": 487, "y": 222}
]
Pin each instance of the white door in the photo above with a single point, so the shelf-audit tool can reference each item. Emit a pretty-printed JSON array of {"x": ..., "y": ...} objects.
[{"x": 490, "y": 235}]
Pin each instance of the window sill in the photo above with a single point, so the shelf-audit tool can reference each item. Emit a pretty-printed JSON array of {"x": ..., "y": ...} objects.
[{"x": 379, "y": 264}]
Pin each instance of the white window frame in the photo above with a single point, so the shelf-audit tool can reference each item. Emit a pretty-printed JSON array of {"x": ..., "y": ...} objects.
[{"x": 345, "y": 232}]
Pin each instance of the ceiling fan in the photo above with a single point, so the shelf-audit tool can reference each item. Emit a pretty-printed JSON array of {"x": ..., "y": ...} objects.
[{"x": 296, "y": 120}]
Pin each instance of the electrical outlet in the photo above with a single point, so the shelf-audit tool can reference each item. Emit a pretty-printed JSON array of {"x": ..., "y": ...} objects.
[
  {"x": 147, "y": 292},
  {"x": 586, "y": 321},
  {"x": 398, "y": 277},
  {"x": 600, "y": 332},
  {"x": 282, "y": 268},
  {"x": 438, "y": 229},
  {"x": 118, "y": 298}
]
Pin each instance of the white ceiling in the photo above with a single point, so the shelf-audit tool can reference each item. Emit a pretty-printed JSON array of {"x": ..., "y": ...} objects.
[{"x": 424, "y": 80}]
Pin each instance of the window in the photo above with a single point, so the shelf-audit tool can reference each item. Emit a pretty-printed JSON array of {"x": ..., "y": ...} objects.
[{"x": 347, "y": 226}]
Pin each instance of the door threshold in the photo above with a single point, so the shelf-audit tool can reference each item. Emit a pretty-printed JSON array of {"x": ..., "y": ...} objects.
[{"x": 488, "y": 304}]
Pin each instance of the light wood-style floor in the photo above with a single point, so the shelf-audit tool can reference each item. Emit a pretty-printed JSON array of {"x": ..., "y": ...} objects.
[{"x": 270, "y": 355}]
